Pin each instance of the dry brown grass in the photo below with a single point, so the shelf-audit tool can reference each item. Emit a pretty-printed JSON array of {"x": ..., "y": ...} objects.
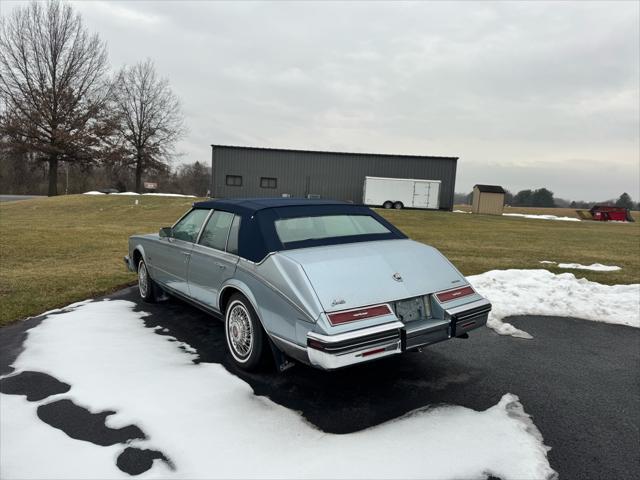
[
  {"x": 477, "y": 243},
  {"x": 63, "y": 249},
  {"x": 55, "y": 251}
]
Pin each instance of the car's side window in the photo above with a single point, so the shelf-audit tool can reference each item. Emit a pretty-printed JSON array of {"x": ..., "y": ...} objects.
[
  {"x": 232, "y": 244},
  {"x": 216, "y": 231},
  {"x": 187, "y": 229}
]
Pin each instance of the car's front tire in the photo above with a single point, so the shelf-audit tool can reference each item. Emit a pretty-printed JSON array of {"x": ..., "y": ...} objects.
[
  {"x": 245, "y": 337},
  {"x": 147, "y": 288}
]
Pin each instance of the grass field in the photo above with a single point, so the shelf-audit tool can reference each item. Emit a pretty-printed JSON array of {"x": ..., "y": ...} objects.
[{"x": 55, "y": 251}]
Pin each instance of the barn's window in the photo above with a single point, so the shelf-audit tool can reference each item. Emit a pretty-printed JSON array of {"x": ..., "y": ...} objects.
[
  {"x": 234, "y": 180},
  {"x": 268, "y": 182}
]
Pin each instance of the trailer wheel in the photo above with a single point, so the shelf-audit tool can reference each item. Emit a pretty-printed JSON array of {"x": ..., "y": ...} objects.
[
  {"x": 398, "y": 206},
  {"x": 387, "y": 204}
]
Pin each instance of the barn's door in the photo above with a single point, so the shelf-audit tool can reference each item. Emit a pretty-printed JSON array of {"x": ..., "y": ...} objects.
[{"x": 420, "y": 194}]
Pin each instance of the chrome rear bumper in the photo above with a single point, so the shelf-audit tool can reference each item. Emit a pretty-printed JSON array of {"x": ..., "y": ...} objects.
[
  {"x": 469, "y": 316},
  {"x": 335, "y": 351}
]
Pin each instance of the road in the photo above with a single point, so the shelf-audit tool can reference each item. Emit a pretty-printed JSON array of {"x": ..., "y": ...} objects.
[
  {"x": 14, "y": 198},
  {"x": 578, "y": 379}
]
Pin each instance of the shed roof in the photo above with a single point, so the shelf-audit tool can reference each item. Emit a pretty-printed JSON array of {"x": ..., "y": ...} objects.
[{"x": 490, "y": 188}]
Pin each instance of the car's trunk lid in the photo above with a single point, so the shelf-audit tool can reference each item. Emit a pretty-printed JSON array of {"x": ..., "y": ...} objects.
[{"x": 361, "y": 274}]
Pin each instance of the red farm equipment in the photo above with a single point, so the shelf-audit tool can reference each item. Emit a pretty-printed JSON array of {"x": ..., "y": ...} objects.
[{"x": 606, "y": 213}]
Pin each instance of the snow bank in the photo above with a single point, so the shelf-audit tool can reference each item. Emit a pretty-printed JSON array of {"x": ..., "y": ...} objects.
[
  {"x": 150, "y": 194},
  {"x": 212, "y": 425},
  {"x": 169, "y": 195},
  {"x": 597, "y": 267},
  {"x": 542, "y": 217},
  {"x": 540, "y": 292},
  {"x": 460, "y": 211}
]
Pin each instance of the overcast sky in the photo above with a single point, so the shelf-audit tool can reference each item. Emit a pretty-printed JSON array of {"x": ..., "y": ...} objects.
[{"x": 528, "y": 95}]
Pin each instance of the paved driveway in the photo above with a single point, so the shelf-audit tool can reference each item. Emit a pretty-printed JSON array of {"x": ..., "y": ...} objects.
[
  {"x": 15, "y": 198},
  {"x": 578, "y": 379}
]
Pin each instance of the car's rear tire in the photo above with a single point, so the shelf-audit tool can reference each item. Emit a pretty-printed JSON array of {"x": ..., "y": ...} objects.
[
  {"x": 398, "y": 205},
  {"x": 387, "y": 204},
  {"x": 147, "y": 288},
  {"x": 246, "y": 340}
]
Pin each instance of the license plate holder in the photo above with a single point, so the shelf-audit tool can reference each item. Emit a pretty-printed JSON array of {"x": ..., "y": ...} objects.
[{"x": 411, "y": 310}]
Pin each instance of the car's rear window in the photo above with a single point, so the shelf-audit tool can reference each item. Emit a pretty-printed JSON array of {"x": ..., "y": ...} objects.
[{"x": 299, "y": 229}]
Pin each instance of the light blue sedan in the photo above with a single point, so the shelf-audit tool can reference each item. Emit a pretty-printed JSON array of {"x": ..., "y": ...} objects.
[{"x": 326, "y": 283}]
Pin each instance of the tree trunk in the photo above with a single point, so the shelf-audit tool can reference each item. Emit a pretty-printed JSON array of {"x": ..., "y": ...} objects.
[
  {"x": 53, "y": 175},
  {"x": 139, "y": 173}
]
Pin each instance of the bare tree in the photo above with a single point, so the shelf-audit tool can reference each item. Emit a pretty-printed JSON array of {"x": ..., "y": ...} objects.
[
  {"x": 151, "y": 120},
  {"x": 52, "y": 85}
]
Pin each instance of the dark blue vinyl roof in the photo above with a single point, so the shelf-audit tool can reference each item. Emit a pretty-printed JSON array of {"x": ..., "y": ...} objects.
[
  {"x": 257, "y": 236},
  {"x": 252, "y": 205}
]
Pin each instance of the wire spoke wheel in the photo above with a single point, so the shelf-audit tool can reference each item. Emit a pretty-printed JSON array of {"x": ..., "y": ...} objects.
[
  {"x": 240, "y": 331},
  {"x": 143, "y": 280}
]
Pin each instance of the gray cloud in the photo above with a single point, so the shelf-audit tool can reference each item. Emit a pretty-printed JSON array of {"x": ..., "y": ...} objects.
[{"x": 527, "y": 94}]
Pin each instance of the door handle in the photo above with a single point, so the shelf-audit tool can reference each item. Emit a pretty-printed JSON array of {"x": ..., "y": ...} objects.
[{"x": 221, "y": 266}]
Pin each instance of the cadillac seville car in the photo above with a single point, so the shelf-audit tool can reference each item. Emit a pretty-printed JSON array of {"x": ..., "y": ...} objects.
[{"x": 326, "y": 283}]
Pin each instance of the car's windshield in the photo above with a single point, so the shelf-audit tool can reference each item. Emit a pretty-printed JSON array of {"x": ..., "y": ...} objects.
[{"x": 298, "y": 229}]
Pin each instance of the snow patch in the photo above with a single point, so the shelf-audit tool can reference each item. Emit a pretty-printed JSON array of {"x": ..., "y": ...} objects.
[
  {"x": 540, "y": 292},
  {"x": 597, "y": 267},
  {"x": 212, "y": 425},
  {"x": 460, "y": 211},
  {"x": 149, "y": 194},
  {"x": 169, "y": 195},
  {"x": 542, "y": 217}
]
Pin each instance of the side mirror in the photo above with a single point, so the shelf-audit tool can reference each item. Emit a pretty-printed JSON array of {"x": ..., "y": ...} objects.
[{"x": 166, "y": 232}]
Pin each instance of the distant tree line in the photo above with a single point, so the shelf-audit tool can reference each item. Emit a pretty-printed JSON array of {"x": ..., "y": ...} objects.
[
  {"x": 23, "y": 176},
  {"x": 62, "y": 107},
  {"x": 543, "y": 197}
]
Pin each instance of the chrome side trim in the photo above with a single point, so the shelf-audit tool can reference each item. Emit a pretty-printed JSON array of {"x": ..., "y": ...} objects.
[
  {"x": 288, "y": 343},
  {"x": 354, "y": 334}
]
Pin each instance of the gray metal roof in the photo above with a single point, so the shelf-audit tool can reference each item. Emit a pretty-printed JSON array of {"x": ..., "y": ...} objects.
[{"x": 334, "y": 153}]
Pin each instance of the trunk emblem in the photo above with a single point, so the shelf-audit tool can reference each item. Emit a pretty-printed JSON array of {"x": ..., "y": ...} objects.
[
  {"x": 397, "y": 277},
  {"x": 338, "y": 301}
]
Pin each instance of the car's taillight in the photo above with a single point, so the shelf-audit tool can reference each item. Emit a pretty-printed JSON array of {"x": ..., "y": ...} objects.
[
  {"x": 455, "y": 293},
  {"x": 346, "y": 316}
]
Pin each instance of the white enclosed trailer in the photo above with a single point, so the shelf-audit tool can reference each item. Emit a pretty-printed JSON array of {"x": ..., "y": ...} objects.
[{"x": 401, "y": 192}]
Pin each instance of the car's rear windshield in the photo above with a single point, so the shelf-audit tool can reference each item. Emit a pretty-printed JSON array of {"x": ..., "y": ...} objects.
[{"x": 299, "y": 229}]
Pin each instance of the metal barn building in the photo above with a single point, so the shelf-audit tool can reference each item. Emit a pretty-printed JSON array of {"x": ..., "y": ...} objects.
[{"x": 268, "y": 172}]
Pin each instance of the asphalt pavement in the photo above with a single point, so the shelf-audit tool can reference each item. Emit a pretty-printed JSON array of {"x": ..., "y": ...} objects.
[
  {"x": 578, "y": 379},
  {"x": 15, "y": 198}
]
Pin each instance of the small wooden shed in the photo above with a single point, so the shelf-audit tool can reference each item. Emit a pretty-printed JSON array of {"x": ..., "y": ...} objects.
[{"x": 488, "y": 199}]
